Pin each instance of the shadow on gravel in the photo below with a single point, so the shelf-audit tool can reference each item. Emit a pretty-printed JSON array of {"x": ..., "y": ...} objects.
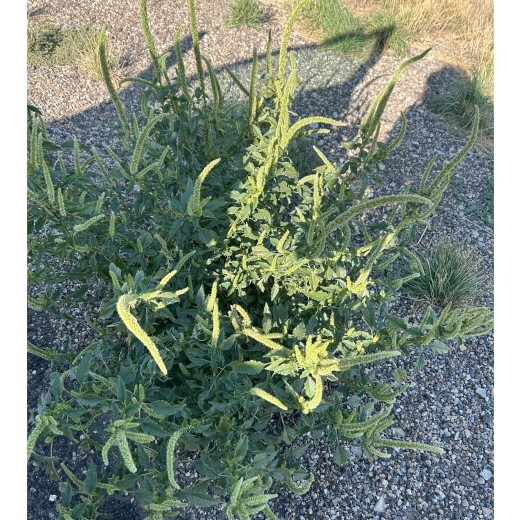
[{"x": 329, "y": 95}]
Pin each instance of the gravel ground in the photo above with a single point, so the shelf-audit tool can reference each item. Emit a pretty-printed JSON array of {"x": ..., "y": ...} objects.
[{"x": 451, "y": 403}]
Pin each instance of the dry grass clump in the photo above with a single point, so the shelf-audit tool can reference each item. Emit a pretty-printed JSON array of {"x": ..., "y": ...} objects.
[{"x": 53, "y": 46}]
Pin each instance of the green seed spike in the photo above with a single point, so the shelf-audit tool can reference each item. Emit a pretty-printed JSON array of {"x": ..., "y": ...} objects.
[
  {"x": 252, "y": 87},
  {"x": 407, "y": 445},
  {"x": 281, "y": 243},
  {"x": 239, "y": 84},
  {"x": 437, "y": 185},
  {"x": 261, "y": 338},
  {"x": 196, "y": 47},
  {"x": 243, "y": 313},
  {"x": 385, "y": 200},
  {"x": 99, "y": 202},
  {"x": 170, "y": 456},
  {"x": 141, "y": 141},
  {"x": 105, "y": 70},
  {"x": 61, "y": 203},
  {"x": 194, "y": 206},
  {"x": 112, "y": 225},
  {"x": 378, "y": 106},
  {"x": 345, "y": 364},
  {"x": 218, "y": 98},
  {"x": 212, "y": 296},
  {"x": 424, "y": 177},
  {"x": 268, "y": 55},
  {"x": 402, "y": 132},
  {"x": 308, "y": 406},
  {"x": 140, "y": 438},
  {"x": 300, "y": 490},
  {"x": 324, "y": 159},
  {"x": 106, "y": 448},
  {"x": 216, "y": 325},
  {"x": 268, "y": 397},
  {"x": 91, "y": 221},
  {"x": 124, "y": 306},
  {"x": 33, "y": 162},
  {"x": 307, "y": 121},
  {"x": 145, "y": 26},
  {"x": 132, "y": 79},
  {"x": 181, "y": 69},
  {"x": 124, "y": 449},
  {"x": 177, "y": 268},
  {"x": 48, "y": 182},
  {"x": 285, "y": 39},
  {"x": 77, "y": 159},
  {"x": 34, "y": 435}
]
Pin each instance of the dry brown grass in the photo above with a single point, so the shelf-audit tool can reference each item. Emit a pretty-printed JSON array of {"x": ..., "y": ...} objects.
[{"x": 466, "y": 28}]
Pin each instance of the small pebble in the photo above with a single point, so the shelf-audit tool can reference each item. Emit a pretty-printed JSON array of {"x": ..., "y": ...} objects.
[
  {"x": 380, "y": 505},
  {"x": 486, "y": 474},
  {"x": 481, "y": 392}
]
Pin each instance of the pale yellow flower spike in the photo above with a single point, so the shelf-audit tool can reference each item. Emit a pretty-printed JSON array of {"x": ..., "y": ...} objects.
[
  {"x": 268, "y": 397},
  {"x": 257, "y": 336},
  {"x": 308, "y": 406},
  {"x": 131, "y": 323}
]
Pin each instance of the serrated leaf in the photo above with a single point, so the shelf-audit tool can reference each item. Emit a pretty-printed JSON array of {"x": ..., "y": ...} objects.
[
  {"x": 439, "y": 347},
  {"x": 341, "y": 455}
]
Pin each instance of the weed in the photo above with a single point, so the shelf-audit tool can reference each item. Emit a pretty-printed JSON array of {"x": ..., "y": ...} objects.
[
  {"x": 52, "y": 46},
  {"x": 245, "y": 13},
  {"x": 451, "y": 275},
  {"x": 481, "y": 207},
  {"x": 458, "y": 103},
  {"x": 240, "y": 301}
]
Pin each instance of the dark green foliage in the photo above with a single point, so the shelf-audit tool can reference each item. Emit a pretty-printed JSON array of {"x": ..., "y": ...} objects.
[
  {"x": 239, "y": 303},
  {"x": 452, "y": 275},
  {"x": 245, "y": 13}
]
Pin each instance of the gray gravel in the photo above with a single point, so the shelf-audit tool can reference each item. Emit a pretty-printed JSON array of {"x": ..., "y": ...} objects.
[{"x": 451, "y": 403}]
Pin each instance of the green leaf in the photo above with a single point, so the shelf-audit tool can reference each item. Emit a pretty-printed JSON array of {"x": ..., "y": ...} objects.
[
  {"x": 251, "y": 368},
  {"x": 82, "y": 370},
  {"x": 439, "y": 347},
  {"x": 419, "y": 364},
  {"x": 397, "y": 322},
  {"x": 297, "y": 452},
  {"x": 319, "y": 296},
  {"x": 242, "y": 447},
  {"x": 90, "y": 478},
  {"x": 341, "y": 455},
  {"x": 165, "y": 408}
]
